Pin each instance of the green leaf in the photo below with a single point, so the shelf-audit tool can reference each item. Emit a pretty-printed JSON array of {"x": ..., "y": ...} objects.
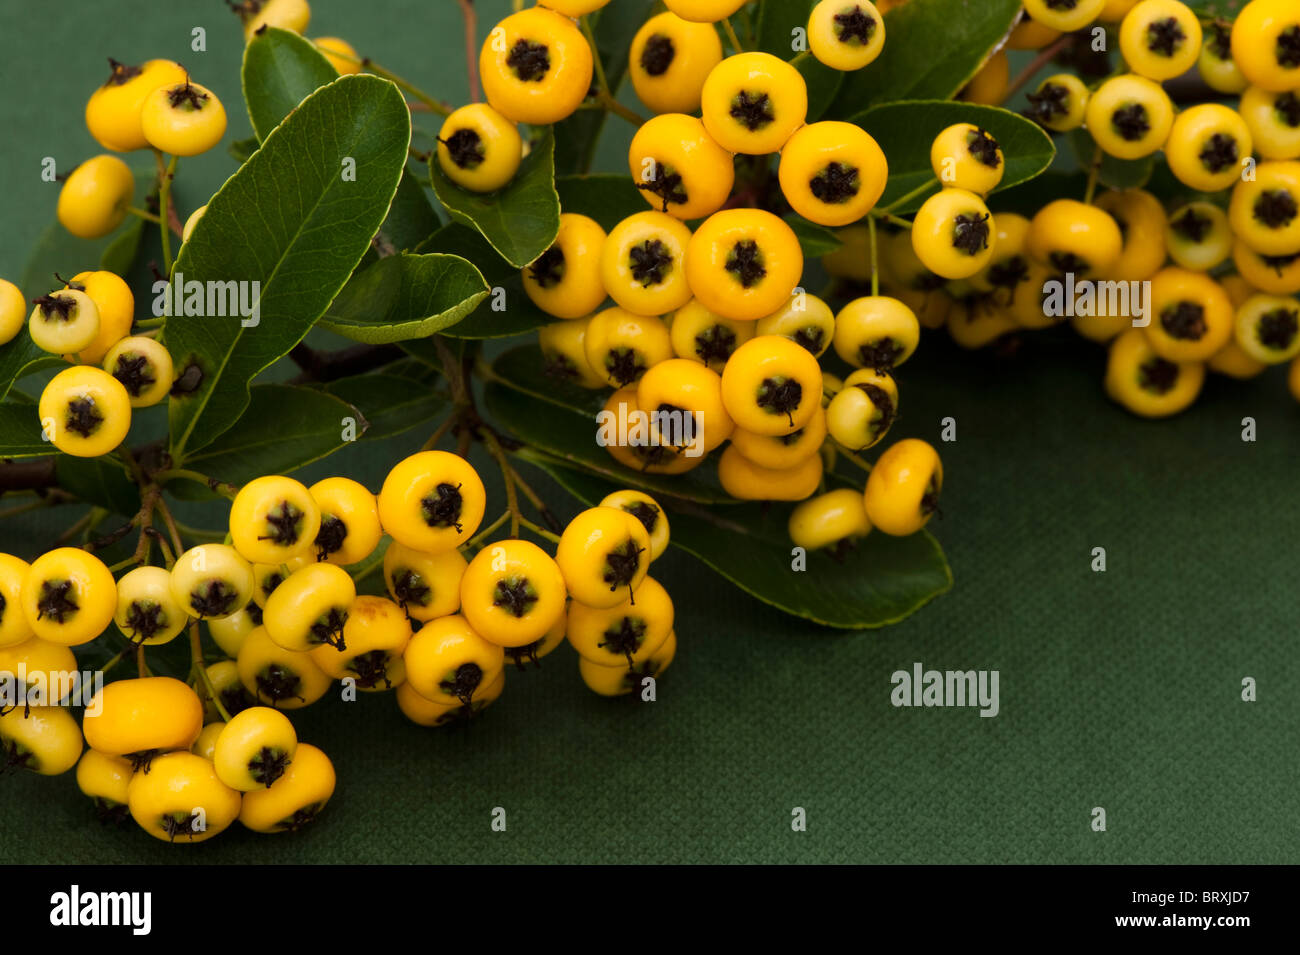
[
  {"x": 881, "y": 581},
  {"x": 519, "y": 221},
  {"x": 241, "y": 149},
  {"x": 520, "y": 315},
  {"x": 21, "y": 357},
  {"x": 606, "y": 197},
  {"x": 1112, "y": 173},
  {"x": 289, "y": 221},
  {"x": 280, "y": 70},
  {"x": 560, "y": 420},
  {"x": 1027, "y": 198},
  {"x": 932, "y": 49},
  {"x": 411, "y": 218},
  {"x": 392, "y": 403},
  {"x": 815, "y": 240},
  {"x": 20, "y": 432},
  {"x": 576, "y": 137},
  {"x": 283, "y": 428},
  {"x": 119, "y": 255},
  {"x": 906, "y": 130},
  {"x": 101, "y": 481},
  {"x": 823, "y": 84},
  {"x": 1228, "y": 9},
  {"x": 777, "y": 20},
  {"x": 405, "y": 296}
]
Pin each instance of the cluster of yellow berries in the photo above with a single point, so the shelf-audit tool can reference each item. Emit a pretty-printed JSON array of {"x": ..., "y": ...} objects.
[
  {"x": 85, "y": 410},
  {"x": 1223, "y": 264},
  {"x": 280, "y": 603}
]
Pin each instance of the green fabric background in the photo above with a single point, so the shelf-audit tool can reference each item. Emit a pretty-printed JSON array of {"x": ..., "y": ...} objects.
[{"x": 1119, "y": 690}]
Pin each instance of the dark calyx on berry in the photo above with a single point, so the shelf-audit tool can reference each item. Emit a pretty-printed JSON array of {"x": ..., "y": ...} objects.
[
  {"x": 1131, "y": 122},
  {"x": 1165, "y": 36},
  {"x": 181, "y": 825},
  {"x": 1067, "y": 263},
  {"x": 650, "y": 262},
  {"x": 811, "y": 338},
  {"x": 144, "y": 620},
  {"x": 83, "y": 417},
  {"x": 268, "y": 765},
  {"x": 930, "y": 499},
  {"x": 371, "y": 668},
  {"x": 745, "y": 261},
  {"x": 1288, "y": 47},
  {"x": 560, "y": 366},
  {"x": 1158, "y": 376},
  {"x": 278, "y": 683},
  {"x": 657, "y": 55},
  {"x": 284, "y": 521},
  {"x": 645, "y": 512},
  {"x": 1008, "y": 273},
  {"x": 970, "y": 233},
  {"x": 466, "y": 680},
  {"x": 881, "y": 354},
  {"x": 1192, "y": 226},
  {"x": 715, "y": 344},
  {"x": 625, "y": 638},
  {"x": 624, "y": 365},
  {"x": 328, "y": 628},
  {"x": 1061, "y": 4},
  {"x": 442, "y": 507},
  {"x": 530, "y": 61},
  {"x": 466, "y": 149},
  {"x": 1219, "y": 39},
  {"x": 1280, "y": 263},
  {"x": 515, "y": 595},
  {"x": 135, "y": 372},
  {"x": 855, "y": 26},
  {"x": 984, "y": 148},
  {"x": 300, "y": 818},
  {"x": 213, "y": 598},
  {"x": 527, "y": 652},
  {"x": 621, "y": 565},
  {"x": 1275, "y": 208},
  {"x": 1050, "y": 102},
  {"x": 1219, "y": 152},
  {"x": 837, "y": 183},
  {"x": 121, "y": 73},
  {"x": 1186, "y": 320},
  {"x": 667, "y": 184},
  {"x": 186, "y": 97},
  {"x": 752, "y": 110},
  {"x": 780, "y": 396},
  {"x": 672, "y": 434},
  {"x": 410, "y": 588},
  {"x": 56, "y": 601},
  {"x": 56, "y": 307},
  {"x": 1277, "y": 329},
  {"x": 548, "y": 270},
  {"x": 329, "y": 539},
  {"x": 884, "y": 405},
  {"x": 1287, "y": 107}
]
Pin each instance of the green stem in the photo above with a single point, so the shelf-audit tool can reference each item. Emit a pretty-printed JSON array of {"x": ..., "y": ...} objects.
[
  {"x": 1093, "y": 173},
  {"x": 875, "y": 261},
  {"x": 196, "y": 663},
  {"x": 478, "y": 539},
  {"x": 539, "y": 530},
  {"x": 224, "y": 488},
  {"x": 893, "y": 220},
  {"x": 728, "y": 29},
  {"x": 850, "y": 456},
  {"x": 143, "y": 214},
  {"x": 165, "y": 175},
  {"x": 435, "y": 105},
  {"x": 903, "y": 200}
]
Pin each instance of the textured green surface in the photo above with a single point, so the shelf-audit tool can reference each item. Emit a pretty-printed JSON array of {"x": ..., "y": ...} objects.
[{"x": 1118, "y": 690}]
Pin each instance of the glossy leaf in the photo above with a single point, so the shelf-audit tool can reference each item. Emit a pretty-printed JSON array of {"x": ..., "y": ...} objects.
[
  {"x": 292, "y": 221},
  {"x": 932, "y": 49},
  {"x": 20, "y": 432},
  {"x": 519, "y": 221},
  {"x": 815, "y": 240},
  {"x": 777, "y": 21},
  {"x": 280, "y": 70},
  {"x": 906, "y": 130},
  {"x": 405, "y": 296},
  {"x": 823, "y": 84},
  {"x": 100, "y": 481},
  {"x": 391, "y": 402},
  {"x": 502, "y": 314},
  {"x": 119, "y": 255},
  {"x": 606, "y": 197},
  {"x": 284, "y": 427}
]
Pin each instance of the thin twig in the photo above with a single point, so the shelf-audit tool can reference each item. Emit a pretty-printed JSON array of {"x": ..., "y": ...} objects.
[
  {"x": 1038, "y": 62},
  {"x": 471, "y": 47}
]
